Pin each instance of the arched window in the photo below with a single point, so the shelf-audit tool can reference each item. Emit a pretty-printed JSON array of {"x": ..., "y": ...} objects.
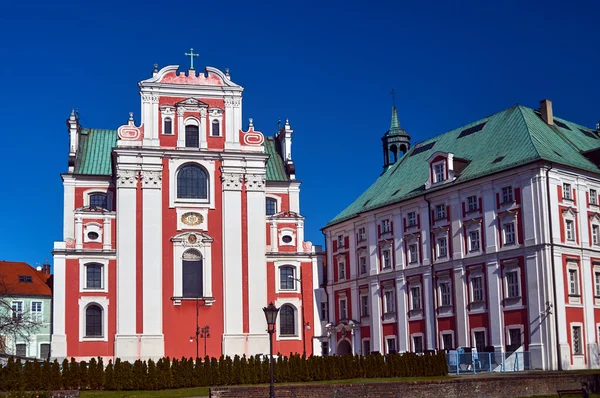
[
  {"x": 286, "y": 278},
  {"x": 93, "y": 321},
  {"x": 192, "y": 136},
  {"x": 192, "y": 274},
  {"x": 98, "y": 200},
  {"x": 168, "y": 126},
  {"x": 287, "y": 320},
  {"x": 192, "y": 182},
  {"x": 215, "y": 128},
  {"x": 271, "y": 206}
]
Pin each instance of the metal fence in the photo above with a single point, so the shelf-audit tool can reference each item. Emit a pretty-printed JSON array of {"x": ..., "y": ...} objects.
[{"x": 480, "y": 362}]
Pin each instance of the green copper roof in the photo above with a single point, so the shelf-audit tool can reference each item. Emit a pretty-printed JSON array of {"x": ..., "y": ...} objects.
[
  {"x": 275, "y": 167},
  {"x": 395, "y": 125},
  {"x": 508, "y": 139},
  {"x": 93, "y": 154}
]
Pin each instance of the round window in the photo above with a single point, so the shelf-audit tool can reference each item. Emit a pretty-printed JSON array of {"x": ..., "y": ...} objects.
[
  {"x": 93, "y": 235},
  {"x": 286, "y": 239}
]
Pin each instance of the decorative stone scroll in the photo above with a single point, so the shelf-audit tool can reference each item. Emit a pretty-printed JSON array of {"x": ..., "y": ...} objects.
[
  {"x": 231, "y": 181},
  {"x": 255, "y": 182},
  {"x": 129, "y": 132},
  {"x": 151, "y": 179},
  {"x": 127, "y": 178}
]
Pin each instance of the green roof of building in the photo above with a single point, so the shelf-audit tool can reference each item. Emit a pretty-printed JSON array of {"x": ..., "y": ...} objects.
[
  {"x": 95, "y": 148},
  {"x": 508, "y": 139}
]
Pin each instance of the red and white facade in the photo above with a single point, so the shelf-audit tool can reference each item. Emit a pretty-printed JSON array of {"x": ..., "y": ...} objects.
[{"x": 140, "y": 241}]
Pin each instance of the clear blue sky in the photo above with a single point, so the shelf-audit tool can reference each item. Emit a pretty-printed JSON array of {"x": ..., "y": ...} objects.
[{"x": 329, "y": 67}]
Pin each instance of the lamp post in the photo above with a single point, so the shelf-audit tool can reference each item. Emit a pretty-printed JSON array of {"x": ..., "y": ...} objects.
[
  {"x": 204, "y": 334},
  {"x": 303, "y": 322},
  {"x": 271, "y": 314}
]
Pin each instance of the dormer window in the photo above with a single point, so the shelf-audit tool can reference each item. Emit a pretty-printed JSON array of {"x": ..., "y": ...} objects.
[
  {"x": 567, "y": 192},
  {"x": 507, "y": 194},
  {"x": 168, "y": 127},
  {"x": 98, "y": 201},
  {"x": 442, "y": 168},
  {"x": 439, "y": 172}
]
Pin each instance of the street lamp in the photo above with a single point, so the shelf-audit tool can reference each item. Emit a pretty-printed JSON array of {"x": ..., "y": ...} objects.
[
  {"x": 271, "y": 314},
  {"x": 303, "y": 322}
]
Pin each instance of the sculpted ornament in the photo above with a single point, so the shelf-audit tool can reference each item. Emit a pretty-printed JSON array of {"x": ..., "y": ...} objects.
[
  {"x": 231, "y": 181},
  {"x": 192, "y": 218},
  {"x": 127, "y": 178},
  {"x": 151, "y": 179},
  {"x": 255, "y": 182}
]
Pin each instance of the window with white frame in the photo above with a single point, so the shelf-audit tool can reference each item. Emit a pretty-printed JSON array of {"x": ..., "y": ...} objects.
[
  {"x": 413, "y": 253},
  {"x": 36, "y": 311},
  {"x": 287, "y": 321},
  {"x": 411, "y": 219},
  {"x": 509, "y": 233},
  {"x": 472, "y": 203},
  {"x": 362, "y": 234},
  {"x": 573, "y": 278},
  {"x": 94, "y": 321},
  {"x": 415, "y": 298},
  {"x": 570, "y": 230},
  {"x": 595, "y": 234},
  {"x": 440, "y": 212},
  {"x": 364, "y": 305},
  {"x": 507, "y": 194},
  {"x": 512, "y": 284},
  {"x": 168, "y": 125},
  {"x": 386, "y": 259},
  {"x": 192, "y": 182},
  {"x": 366, "y": 346},
  {"x": 343, "y": 309},
  {"x": 447, "y": 341},
  {"x": 94, "y": 276},
  {"x": 215, "y": 128},
  {"x": 597, "y": 284},
  {"x": 474, "y": 243},
  {"x": 477, "y": 289},
  {"x": 362, "y": 261},
  {"x": 479, "y": 340},
  {"x": 340, "y": 241},
  {"x": 98, "y": 200},
  {"x": 17, "y": 310},
  {"x": 385, "y": 226},
  {"x": 567, "y": 192},
  {"x": 391, "y": 345},
  {"x": 593, "y": 197},
  {"x": 287, "y": 280},
  {"x": 341, "y": 270},
  {"x": 577, "y": 340},
  {"x": 417, "y": 343},
  {"x": 21, "y": 350},
  {"x": 439, "y": 172},
  {"x": 445, "y": 294},
  {"x": 514, "y": 338},
  {"x": 323, "y": 311},
  {"x": 442, "y": 246},
  {"x": 389, "y": 301}
]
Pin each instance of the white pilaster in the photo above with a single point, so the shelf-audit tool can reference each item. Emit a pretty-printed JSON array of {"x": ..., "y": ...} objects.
[
  {"x": 429, "y": 311},
  {"x": 372, "y": 245},
  {"x": 69, "y": 207},
  {"x": 402, "y": 305},
  {"x": 375, "y": 317},
  {"x": 460, "y": 284},
  {"x": 494, "y": 304},
  {"x": 274, "y": 241},
  {"x": 180, "y": 128},
  {"x": 59, "y": 338},
  {"x": 147, "y": 117},
  {"x": 78, "y": 233},
  {"x": 106, "y": 245}
]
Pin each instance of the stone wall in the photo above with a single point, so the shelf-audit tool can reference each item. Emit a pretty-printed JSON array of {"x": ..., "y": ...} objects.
[{"x": 492, "y": 386}]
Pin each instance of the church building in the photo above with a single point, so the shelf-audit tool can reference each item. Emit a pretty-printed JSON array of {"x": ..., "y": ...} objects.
[{"x": 179, "y": 229}]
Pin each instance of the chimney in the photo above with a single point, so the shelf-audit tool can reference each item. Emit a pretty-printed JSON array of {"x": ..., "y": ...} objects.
[
  {"x": 546, "y": 111},
  {"x": 46, "y": 269}
]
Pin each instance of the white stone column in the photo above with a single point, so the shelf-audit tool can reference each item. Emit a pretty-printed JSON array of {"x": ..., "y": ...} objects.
[
  {"x": 232, "y": 262},
  {"x": 203, "y": 129},
  {"x": 59, "y": 338},
  {"x": 106, "y": 245},
  {"x": 155, "y": 127},
  {"x": 460, "y": 283},
  {"x": 398, "y": 241},
  {"x": 257, "y": 270},
  {"x": 274, "y": 241},
  {"x": 126, "y": 342},
  {"x": 237, "y": 119},
  {"x": 300, "y": 236},
  {"x": 376, "y": 328},
  {"x": 180, "y": 128},
  {"x": 372, "y": 246},
  {"x": 425, "y": 249},
  {"x": 587, "y": 294},
  {"x": 152, "y": 338},
  {"x": 402, "y": 305},
  {"x": 78, "y": 232},
  {"x": 494, "y": 305},
  {"x": 69, "y": 208},
  {"x": 147, "y": 117},
  {"x": 430, "y": 319}
]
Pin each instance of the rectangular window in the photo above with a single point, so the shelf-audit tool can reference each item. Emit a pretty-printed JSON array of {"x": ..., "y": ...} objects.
[
  {"x": 362, "y": 234},
  {"x": 363, "y": 264},
  {"x": 366, "y": 347},
  {"x": 36, "y": 311},
  {"x": 391, "y": 345},
  {"x": 340, "y": 240},
  {"x": 567, "y": 191},
  {"x": 595, "y": 234},
  {"x": 573, "y": 282},
  {"x": 343, "y": 310},
  {"x": 341, "y": 271},
  {"x": 385, "y": 226},
  {"x": 17, "y": 310},
  {"x": 287, "y": 280},
  {"x": 447, "y": 342},
  {"x": 44, "y": 350},
  {"x": 390, "y": 306},
  {"x": 93, "y": 276},
  {"x": 440, "y": 212},
  {"x": 477, "y": 287},
  {"x": 323, "y": 311},
  {"x": 168, "y": 126},
  {"x": 215, "y": 128},
  {"x": 21, "y": 350},
  {"x": 386, "y": 260},
  {"x": 512, "y": 284},
  {"x": 415, "y": 298},
  {"x": 509, "y": 233},
  {"x": 411, "y": 219},
  {"x": 417, "y": 343},
  {"x": 479, "y": 337},
  {"x": 474, "y": 241},
  {"x": 364, "y": 305},
  {"x": 445, "y": 294},
  {"x": 593, "y": 197},
  {"x": 413, "y": 254},
  {"x": 439, "y": 172},
  {"x": 514, "y": 335},
  {"x": 570, "y": 230},
  {"x": 577, "y": 343},
  {"x": 442, "y": 244},
  {"x": 507, "y": 195},
  {"x": 597, "y": 283},
  {"x": 472, "y": 203}
]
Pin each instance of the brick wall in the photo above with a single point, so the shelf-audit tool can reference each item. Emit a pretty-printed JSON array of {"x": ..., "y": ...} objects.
[{"x": 493, "y": 386}]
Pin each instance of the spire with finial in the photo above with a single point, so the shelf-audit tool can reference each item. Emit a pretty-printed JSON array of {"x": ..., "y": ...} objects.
[{"x": 396, "y": 141}]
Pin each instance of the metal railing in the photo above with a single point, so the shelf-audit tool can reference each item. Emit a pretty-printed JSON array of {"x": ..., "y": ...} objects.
[{"x": 481, "y": 362}]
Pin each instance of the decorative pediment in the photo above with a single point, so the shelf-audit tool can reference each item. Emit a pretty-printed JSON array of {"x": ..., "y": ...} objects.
[
  {"x": 440, "y": 229},
  {"x": 507, "y": 214},
  {"x": 412, "y": 236},
  {"x": 288, "y": 214},
  {"x": 192, "y": 239},
  {"x": 595, "y": 217},
  {"x": 570, "y": 212},
  {"x": 472, "y": 222},
  {"x": 344, "y": 327},
  {"x": 191, "y": 104}
]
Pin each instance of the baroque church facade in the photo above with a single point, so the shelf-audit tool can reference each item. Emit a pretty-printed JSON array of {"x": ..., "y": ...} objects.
[{"x": 184, "y": 221}]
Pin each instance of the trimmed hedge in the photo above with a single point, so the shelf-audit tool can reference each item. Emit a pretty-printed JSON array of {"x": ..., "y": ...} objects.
[{"x": 180, "y": 373}]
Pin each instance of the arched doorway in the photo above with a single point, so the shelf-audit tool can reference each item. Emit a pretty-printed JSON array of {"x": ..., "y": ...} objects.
[{"x": 344, "y": 348}]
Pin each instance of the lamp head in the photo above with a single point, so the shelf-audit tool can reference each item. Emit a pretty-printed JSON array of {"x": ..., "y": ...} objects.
[{"x": 271, "y": 314}]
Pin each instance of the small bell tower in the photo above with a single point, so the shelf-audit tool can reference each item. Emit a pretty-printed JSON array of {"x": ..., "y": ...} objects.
[{"x": 396, "y": 141}]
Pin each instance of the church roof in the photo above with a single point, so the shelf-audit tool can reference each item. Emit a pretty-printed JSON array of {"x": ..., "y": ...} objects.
[
  {"x": 95, "y": 148},
  {"x": 504, "y": 140},
  {"x": 20, "y": 279}
]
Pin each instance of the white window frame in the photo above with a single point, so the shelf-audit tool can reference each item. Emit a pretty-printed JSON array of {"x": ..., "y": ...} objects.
[
  {"x": 572, "y": 327},
  {"x": 287, "y": 232},
  {"x": 340, "y": 242},
  {"x": 362, "y": 257},
  {"x": 440, "y": 212},
  {"x": 521, "y": 330},
  {"x": 567, "y": 193},
  {"x": 215, "y": 114},
  {"x": 386, "y": 259},
  {"x": 509, "y": 234},
  {"x": 83, "y": 262},
  {"x": 362, "y": 234},
  {"x": 413, "y": 255},
  {"x": 84, "y": 302},
  {"x": 412, "y": 342},
  {"x": 37, "y": 316},
  {"x": 209, "y": 166},
  {"x": 362, "y": 345},
  {"x": 411, "y": 219},
  {"x": 439, "y": 171},
  {"x": 507, "y": 289},
  {"x": 109, "y": 196},
  {"x": 92, "y": 227},
  {"x": 277, "y": 200},
  {"x": 364, "y": 314},
  {"x": 570, "y": 230},
  {"x": 595, "y": 234},
  {"x": 385, "y": 226},
  {"x": 387, "y": 343},
  {"x": 447, "y": 333},
  {"x": 472, "y": 203},
  {"x": 204, "y": 246},
  {"x": 412, "y": 297},
  {"x": 168, "y": 112},
  {"x": 341, "y": 270},
  {"x": 471, "y": 234},
  {"x": 389, "y": 300},
  {"x": 296, "y": 288},
  {"x": 345, "y": 307},
  {"x": 442, "y": 294},
  {"x": 485, "y": 337},
  {"x": 442, "y": 250},
  {"x": 481, "y": 288},
  {"x": 507, "y": 194},
  {"x": 296, "y": 305},
  {"x": 573, "y": 287},
  {"x": 593, "y": 197},
  {"x": 20, "y": 311},
  {"x": 596, "y": 269}
]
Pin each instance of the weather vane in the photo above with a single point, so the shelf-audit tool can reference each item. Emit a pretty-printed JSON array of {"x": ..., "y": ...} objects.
[{"x": 191, "y": 55}]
